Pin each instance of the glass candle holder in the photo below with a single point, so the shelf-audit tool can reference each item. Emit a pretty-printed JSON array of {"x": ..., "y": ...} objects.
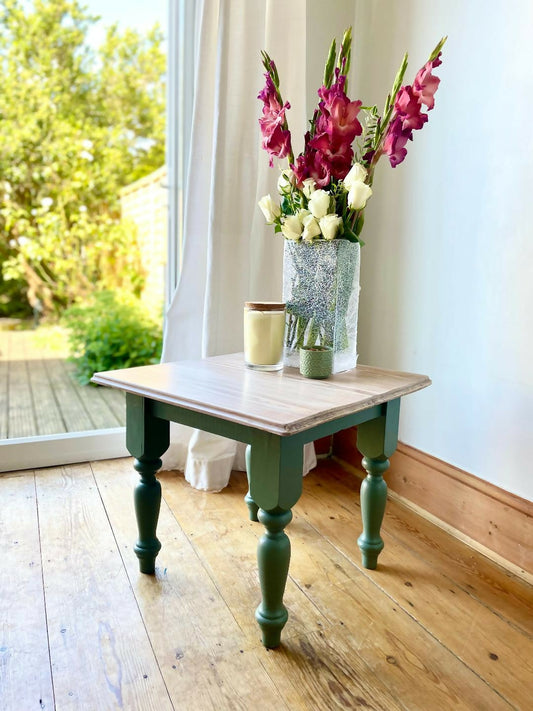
[{"x": 264, "y": 330}]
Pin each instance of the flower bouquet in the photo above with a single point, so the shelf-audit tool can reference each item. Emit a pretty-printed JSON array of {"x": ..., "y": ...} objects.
[{"x": 324, "y": 191}]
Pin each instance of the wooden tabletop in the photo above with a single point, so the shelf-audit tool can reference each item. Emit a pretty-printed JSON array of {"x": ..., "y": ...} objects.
[{"x": 281, "y": 402}]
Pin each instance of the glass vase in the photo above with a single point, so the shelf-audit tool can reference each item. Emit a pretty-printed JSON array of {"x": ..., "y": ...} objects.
[{"x": 321, "y": 292}]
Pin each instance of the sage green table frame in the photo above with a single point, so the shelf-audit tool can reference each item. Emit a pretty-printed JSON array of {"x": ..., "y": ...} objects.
[{"x": 274, "y": 467}]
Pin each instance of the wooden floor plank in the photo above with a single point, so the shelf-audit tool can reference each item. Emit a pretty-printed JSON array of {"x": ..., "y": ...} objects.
[
  {"x": 402, "y": 654},
  {"x": 39, "y": 394},
  {"x": 509, "y": 596},
  {"x": 3, "y": 396},
  {"x": 25, "y": 675},
  {"x": 212, "y": 524},
  {"x": 4, "y": 383},
  {"x": 225, "y": 682},
  {"x": 101, "y": 415},
  {"x": 116, "y": 401},
  {"x": 101, "y": 655},
  {"x": 221, "y": 531},
  {"x": 469, "y": 629},
  {"x": 323, "y": 671},
  {"x": 395, "y": 638},
  {"x": 21, "y": 418},
  {"x": 47, "y": 412},
  {"x": 206, "y": 659},
  {"x": 75, "y": 415},
  {"x": 396, "y": 654}
]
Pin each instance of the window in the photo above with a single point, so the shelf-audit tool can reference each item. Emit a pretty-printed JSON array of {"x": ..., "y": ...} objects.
[{"x": 52, "y": 421}]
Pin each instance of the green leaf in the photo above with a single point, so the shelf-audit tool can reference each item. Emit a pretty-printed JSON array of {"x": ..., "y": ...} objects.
[
  {"x": 358, "y": 227},
  {"x": 345, "y": 51},
  {"x": 330, "y": 64},
  {"x": 437, "y": 49},
  {"x": 396, "y": 85},
  {"x": 349, "y": 235}
]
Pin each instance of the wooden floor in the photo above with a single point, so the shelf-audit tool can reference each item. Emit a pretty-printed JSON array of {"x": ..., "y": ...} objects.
[
  {"x": 38, "y": 393},
  {"x": 436, "y": 627}
]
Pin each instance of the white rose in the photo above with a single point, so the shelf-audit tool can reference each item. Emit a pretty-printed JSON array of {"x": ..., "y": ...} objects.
[
  {"x": 357, "y": 173},
  {"x": 269, "y": 209},
  {"x": 291, "y": 227},
  {"x": 329, "y": 225},
  {"x": 358, "y": 195},
  {"x": 308, "y": 187},
  {"x": 285, "y": 181},
  {"x": 311, "y": 229},
  {"x": 319, "y": 203},
  {"x": 302, "y": 214}
]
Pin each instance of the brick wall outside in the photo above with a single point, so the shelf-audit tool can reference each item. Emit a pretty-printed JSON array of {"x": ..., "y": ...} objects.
[{"x": 145, "y": 202}]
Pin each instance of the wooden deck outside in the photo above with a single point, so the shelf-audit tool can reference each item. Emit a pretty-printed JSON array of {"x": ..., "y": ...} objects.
[{"x": 38, "y": 393}]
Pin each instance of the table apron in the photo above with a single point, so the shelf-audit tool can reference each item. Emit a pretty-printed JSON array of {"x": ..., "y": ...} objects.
[{"x": 247, "y": 434}]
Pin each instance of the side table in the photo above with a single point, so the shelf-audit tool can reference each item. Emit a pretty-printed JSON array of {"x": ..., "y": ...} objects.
[{"x": 275, "y": 414}]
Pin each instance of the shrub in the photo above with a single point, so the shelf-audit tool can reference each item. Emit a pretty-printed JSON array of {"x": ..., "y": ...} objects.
[{"x": 111, "y": 331}]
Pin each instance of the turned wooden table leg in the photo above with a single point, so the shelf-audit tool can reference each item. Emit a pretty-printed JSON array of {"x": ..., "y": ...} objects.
[
  {"x": 147, "y": 499},
  {"x": 250, "y": 503},
  {"x": 275, "y": 471},
  {"x": 373, "y": 500},
  {"x": 147, "y": 437},
  {"x": 273, "y": 557},
  {"x": 376, "y": 440}
]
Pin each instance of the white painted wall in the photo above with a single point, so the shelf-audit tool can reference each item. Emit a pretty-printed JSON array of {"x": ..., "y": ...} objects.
[{"x": 447, "y": 271}]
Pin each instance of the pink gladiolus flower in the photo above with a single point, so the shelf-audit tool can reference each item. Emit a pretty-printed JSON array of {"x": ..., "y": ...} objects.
[
  {"x": 276, "y": 141},
  {"x": 269, "y": 96},
  {"x": 408, "y": 115},
  {"x": 276, "y": 136},
  {"x": 425, "y": 84},
  {"x": 408, "y": 106},
  {"x": 338, "y": 156},
  {"x": 311, "y": 164},
  {"x": 395, "y": 140},
  {"x": 338, "y": 115},
  {"x": 343, "y": 123},
  {"x": 329, "y": 153}
]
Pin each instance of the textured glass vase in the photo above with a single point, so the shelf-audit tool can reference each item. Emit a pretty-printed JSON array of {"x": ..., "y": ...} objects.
[{"x": 321, "y": 290}]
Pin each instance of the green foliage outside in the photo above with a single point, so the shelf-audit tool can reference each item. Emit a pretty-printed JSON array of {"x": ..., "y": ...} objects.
[
  {"x": 76, "y": 125},
  {"x": 111, "y": 332}
]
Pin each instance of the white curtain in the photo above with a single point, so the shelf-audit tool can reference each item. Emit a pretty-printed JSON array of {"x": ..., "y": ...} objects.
[{"x": 230, "y": 256}]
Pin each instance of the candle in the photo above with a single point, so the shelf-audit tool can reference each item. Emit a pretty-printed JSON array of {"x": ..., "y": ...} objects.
[{"x": 264, "y": 329}]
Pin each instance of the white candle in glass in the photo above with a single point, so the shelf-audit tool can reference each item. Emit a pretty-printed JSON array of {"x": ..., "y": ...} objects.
[{"x": 264, "y": 330}]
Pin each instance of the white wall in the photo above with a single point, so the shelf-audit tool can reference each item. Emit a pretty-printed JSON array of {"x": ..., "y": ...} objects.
[{"x": 447, "y": 270}]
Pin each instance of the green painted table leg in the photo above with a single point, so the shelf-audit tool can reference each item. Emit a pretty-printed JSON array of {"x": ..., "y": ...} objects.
[
  {"x": 376, "y": 440},
  {"x": 147, "y": 437},
  {"x": 373, "y": 500},
  {"x": 147, "y": 499},
  {"x": 253, "y": 508},
  {"x": 275, "y": 470},
  {"x": 273, "y": 557}
]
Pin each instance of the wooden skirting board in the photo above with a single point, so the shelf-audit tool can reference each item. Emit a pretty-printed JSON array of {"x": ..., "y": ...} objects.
[{"x": 489, "y": 518}]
